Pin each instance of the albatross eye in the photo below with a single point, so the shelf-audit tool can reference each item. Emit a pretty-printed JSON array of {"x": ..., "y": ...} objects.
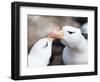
[{"x": 70, "y": 32}]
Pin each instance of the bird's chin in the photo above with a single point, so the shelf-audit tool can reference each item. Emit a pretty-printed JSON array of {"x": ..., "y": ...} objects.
[{"x": 69, "y": 44}]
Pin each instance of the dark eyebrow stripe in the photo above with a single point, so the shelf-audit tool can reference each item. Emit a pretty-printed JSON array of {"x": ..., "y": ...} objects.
[{"x": 70, "y": 32}]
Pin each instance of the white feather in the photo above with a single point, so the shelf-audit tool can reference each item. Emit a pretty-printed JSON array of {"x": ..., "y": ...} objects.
[
  {"x": 76, "y": 50},
  {"x": 40, "y": 53}
]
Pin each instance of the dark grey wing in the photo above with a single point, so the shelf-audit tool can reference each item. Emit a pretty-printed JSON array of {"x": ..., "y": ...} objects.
[{"x": 85, "y": 35}]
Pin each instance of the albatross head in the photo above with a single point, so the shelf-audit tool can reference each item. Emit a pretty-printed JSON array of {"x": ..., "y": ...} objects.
[{"x": 71, "y": 36}]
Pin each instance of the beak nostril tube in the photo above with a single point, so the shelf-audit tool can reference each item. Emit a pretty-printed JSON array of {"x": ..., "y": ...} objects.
[{"x": 70, "y": 32}]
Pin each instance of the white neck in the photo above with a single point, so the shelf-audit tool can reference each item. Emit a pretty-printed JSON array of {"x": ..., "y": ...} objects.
[{"x": 83, "y": 45}]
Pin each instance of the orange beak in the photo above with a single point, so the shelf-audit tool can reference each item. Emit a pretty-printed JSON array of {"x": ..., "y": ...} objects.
[{"x": 56, "y": 34}]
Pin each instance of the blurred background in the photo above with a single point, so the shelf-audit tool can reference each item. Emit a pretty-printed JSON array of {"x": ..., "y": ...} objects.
[{"x": 40, "y": 26}]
